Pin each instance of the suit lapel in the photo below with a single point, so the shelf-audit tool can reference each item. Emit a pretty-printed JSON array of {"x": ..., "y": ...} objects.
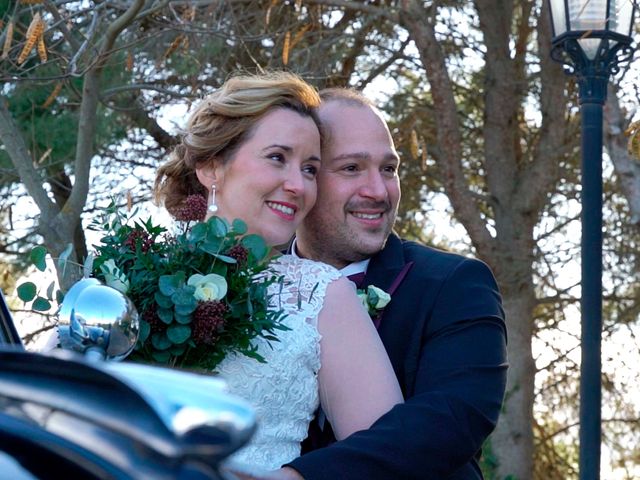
[{"x": 385, "y": 266}]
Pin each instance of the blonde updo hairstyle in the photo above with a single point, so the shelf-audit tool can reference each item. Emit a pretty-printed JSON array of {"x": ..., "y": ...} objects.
[{"x": 222, "y": 122}]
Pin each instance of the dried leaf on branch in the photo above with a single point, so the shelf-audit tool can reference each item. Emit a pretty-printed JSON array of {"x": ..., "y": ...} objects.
[
  {"x": 53, "y": 95},
  {"x": 42, "y": 49},
  {"x": 7, "y": 40},
  {"x": 179, "y": 40},
  {"x": 286, "y": 47},
  {"x": 34, "y": 32},
  {"x": 633, "y": 146}
]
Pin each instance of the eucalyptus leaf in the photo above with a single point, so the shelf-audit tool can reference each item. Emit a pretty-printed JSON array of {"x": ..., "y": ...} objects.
[
  {"x": 239, "y": 226},
  {"x": 166, "y": 315},
  {"x": 185, "y": 309},
  {"x": 211, "y": 246},
  {"x": 162, "y": 300},
  {"x": 198, "y": 232},
  {"x": 145, "y": 330},
  {"x": 41, "y": 304},
  {"x": 50, "y": 291},
  {"x": 225, "y": 258},
  {"x": 178, "y": 334},
  {"x": 169, "y": 284},
  {"x": 27, "y": 291},
  {"x": 217, "y": 227},
  {"x": 184, "y": 299},
  {"x": 160, "y": 341},
  {"x": 183, "y": 319},
  {"x": 256, "y": 245},
  {"x": 38, "y": 257}
]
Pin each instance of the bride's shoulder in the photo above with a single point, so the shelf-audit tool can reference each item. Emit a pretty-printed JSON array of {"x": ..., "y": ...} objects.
[{"x": 296, "y": 264}]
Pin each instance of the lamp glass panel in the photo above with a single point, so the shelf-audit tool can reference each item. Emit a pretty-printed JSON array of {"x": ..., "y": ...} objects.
[
  {"x": 559, "y": 16},
  {"x": 590, "y": 46},
  {"x": 588, "y": 14},
  {"x": 622, "y": 11}
]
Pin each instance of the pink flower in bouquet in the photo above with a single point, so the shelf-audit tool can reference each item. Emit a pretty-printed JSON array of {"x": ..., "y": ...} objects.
[
  {"x": 208, "y": 322},
  {"x": 193, "y": 209}
]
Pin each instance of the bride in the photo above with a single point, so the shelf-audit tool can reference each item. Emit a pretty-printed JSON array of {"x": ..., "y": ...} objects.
[{"x": 253, "y": 148}]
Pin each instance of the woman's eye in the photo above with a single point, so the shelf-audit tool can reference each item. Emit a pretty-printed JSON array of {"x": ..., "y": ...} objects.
[{"x": 278, "y": 157}]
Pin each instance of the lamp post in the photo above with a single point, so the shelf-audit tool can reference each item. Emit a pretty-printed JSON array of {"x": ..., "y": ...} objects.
[{"x": 591, "y": 38}]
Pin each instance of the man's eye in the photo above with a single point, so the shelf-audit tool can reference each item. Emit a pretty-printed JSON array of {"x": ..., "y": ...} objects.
[
  {"x": 350, "y": 168},
  {"x": 310, "y": 170},
  {"x": 390, "y": 169}
]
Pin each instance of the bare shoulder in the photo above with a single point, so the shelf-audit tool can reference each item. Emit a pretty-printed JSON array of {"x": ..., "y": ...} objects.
[
  {"x": 343, "y": 288},
  {"x": 342, "y": 304}
]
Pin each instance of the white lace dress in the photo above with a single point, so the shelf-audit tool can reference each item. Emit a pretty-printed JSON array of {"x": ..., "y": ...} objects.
[{"x": 284, "y": 391}]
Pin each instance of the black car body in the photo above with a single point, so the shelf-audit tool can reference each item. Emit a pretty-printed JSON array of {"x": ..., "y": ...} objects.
[{"x": 63, "y": 416}]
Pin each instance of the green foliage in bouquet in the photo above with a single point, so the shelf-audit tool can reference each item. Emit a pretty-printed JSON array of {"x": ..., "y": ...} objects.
[{"x": 201, "y": 293}]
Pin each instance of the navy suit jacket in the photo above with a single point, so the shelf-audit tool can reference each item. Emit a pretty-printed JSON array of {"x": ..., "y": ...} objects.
[{"x": 445, "y": 334}]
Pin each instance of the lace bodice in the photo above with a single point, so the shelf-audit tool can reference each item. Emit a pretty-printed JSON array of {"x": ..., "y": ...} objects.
[{"x": 284, "y": 391}]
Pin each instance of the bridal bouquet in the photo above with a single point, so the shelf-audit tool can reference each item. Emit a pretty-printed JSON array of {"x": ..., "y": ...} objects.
[{"x": 201, "y": 293}]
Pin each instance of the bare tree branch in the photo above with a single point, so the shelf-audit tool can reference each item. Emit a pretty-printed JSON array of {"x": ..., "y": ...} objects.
[
  {"x": 21, "y": 159},
  {"x": 421, "y": 27},
  {"x": 627, "y": 168}
]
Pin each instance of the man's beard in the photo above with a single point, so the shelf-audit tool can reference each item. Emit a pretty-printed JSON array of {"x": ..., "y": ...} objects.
[{"x": 344, "y": 244}]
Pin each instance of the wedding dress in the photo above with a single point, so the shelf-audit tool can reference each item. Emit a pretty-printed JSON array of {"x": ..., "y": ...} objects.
[{"x": 284, "y": 390}]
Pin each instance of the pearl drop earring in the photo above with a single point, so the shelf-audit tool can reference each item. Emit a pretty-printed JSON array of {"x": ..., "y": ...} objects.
[{"x": 212, "y": 207}]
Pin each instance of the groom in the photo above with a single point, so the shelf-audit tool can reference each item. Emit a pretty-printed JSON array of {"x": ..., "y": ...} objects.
[{"x": 444, "y": 328}]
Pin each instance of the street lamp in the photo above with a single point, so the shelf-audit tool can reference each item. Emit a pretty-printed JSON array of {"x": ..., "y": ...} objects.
[{"x": 591, "y": 38}]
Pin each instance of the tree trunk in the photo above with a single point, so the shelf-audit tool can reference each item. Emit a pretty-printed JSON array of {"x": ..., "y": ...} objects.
[
  {"x": 518, "y": 173},
  {"x": 626, "y": 166},
  {"x": 512, "y": 441}
]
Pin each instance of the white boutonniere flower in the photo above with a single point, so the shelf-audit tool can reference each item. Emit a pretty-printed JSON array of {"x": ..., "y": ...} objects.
[
  {"x": 113, "y": 277},
  {"x": 209, "y": 288},
  {"x": 374, "y": 299}
]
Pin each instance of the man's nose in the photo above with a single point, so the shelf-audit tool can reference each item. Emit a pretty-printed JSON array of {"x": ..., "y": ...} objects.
[{"x": 374, "y": 186}]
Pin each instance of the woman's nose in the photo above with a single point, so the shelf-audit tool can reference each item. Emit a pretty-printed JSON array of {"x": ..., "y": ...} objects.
[{"x": 294, "y": 183}]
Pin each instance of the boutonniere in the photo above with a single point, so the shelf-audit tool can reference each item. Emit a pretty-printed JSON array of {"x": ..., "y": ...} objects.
[{"x": 373, "y": 299}]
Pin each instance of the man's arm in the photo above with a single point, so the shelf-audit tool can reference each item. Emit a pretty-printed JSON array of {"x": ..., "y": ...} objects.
[{"x": 456, "y": 397}]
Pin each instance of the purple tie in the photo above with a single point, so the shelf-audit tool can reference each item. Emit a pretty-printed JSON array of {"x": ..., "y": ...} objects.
[{"x": 357, "y": 278}]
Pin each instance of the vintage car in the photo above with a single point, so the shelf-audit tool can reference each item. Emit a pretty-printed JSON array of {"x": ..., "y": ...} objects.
[{"x": 75, "y": 416}]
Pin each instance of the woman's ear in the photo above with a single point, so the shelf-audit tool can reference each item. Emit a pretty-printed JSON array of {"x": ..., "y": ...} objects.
[{"x": 207, "y": 176}]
